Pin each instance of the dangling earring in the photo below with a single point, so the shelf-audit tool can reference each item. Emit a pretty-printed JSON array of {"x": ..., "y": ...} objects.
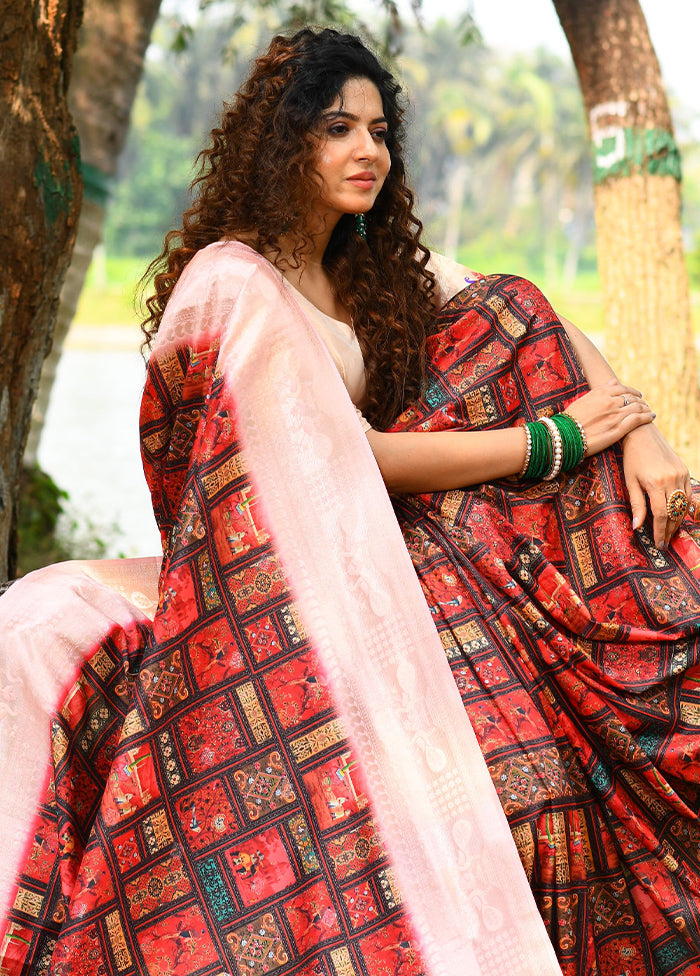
[{"x": 361, "y": 225}]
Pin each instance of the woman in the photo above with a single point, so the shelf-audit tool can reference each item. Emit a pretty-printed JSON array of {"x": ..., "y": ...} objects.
[{"x": 205, "y": 812}]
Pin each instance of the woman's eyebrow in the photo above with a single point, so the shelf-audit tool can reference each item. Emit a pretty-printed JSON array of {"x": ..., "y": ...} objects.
[{"x": 340, "y": 113}]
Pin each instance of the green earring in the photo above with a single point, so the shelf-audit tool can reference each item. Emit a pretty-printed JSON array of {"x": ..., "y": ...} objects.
[{"x": 361, "y": 225}]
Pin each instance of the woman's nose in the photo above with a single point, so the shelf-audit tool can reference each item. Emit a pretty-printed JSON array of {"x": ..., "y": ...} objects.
[{"x": 366, "y": 146}]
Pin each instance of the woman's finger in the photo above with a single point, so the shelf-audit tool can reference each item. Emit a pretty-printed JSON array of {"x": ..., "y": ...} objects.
[
  {"x": 676, "y": 508},
  {"x": 638, "y": 505},
  {"x": 657, "y": 503}
]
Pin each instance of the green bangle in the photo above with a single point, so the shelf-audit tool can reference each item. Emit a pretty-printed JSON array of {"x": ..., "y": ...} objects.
[
  {"x": 579, "y": 427},
  {"x": 572, "y": 440},
  {"x": 540, "y": 455}
]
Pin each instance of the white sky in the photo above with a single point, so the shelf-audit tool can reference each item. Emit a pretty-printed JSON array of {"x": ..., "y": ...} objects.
[
  {"x": 516, "y": 25},
  {"x": 674, "y": 26}
]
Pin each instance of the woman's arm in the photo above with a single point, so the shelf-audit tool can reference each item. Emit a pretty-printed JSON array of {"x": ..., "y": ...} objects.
[
  {"x": 415, "y": 462},
  {"x": 412, "y": 463},
  {"x": 652, "y": 468},
  {"x": 595, "y": 367},
  {"x": 440, "y": 460}
]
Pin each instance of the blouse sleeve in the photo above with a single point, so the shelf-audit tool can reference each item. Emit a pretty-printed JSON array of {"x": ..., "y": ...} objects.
[
  {"x": 450, "y": 277},
  {"x": 366, "y": 425}
]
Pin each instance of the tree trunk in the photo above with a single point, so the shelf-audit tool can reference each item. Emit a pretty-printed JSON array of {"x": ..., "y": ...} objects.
[
  {"x": 40, "y": 196},
  {"x": 106, "y": 71},
  {"x": 643, "y": 277}
]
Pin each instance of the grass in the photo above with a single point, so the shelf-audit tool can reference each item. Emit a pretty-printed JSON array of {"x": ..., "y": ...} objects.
[
  {"x": 110, "y": 288},
  {"x": 108, "y": 296}
]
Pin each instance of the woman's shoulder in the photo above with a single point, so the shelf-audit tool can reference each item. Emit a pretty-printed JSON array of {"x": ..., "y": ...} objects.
[
  {"x": 210, "y": 287},
  {"x": 222, "y": 267},
  {"x": 226, "y": 252},
  {"x": 450, "y": 277}
]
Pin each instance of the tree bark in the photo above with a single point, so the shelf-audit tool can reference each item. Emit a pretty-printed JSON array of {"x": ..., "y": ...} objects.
[
  {"x": 40, "y": 196},
  {"x": 644, "y": 282},
  {"x": 106, "y": 71}
]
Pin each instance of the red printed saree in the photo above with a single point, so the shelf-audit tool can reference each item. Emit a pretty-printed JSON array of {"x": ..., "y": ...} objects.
[
  {"x": 266, "y": 781},
  {"x": 260, "y": 781},
  {"x": 575, "y": 644}
]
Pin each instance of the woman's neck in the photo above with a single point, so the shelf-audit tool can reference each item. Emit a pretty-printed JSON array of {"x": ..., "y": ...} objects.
[{"x": 309, "y": 276}]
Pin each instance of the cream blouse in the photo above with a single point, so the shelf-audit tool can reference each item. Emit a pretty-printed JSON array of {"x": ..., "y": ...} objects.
[{"x": 341, "y": 342}]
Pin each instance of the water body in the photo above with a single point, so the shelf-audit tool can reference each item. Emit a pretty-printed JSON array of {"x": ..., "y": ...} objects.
[{"x": 90, "y": 443}]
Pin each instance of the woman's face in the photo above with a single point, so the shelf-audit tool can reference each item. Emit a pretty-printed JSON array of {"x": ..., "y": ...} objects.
[{"x": 353, "y": 159}]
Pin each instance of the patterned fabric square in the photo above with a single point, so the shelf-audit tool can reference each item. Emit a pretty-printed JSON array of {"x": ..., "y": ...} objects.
[
  {"x": 263, "y": 638},
  {"x": 361, "y": 904},
  {"x": 299, "y": 833},
  {"x": 219, "y": 898},
  {"x": 207, "y": 583},
  {"x": 117, "y": 941},
  {"x": 177, "y": 945},
  {"x": 257, "y": 584},
  {"x": 388, "y": 888},
  {"x": 191, "y": 529},
  {"x": 209, "y": 734},
  {"x": 626, "y": 955},
  {"x": 77, "y": 703},
  {"x": 257, "y": 947},
  {"x": 163, "y": 684},
  {"x": 42, "y": 852},
  {"x": 79, "y": 953},
  {"x": 335, "y": 790},
  {"x": 126, "y": 850},
  {"x": 214, "y": 654},
  {"x": 389, "y": 950},
  {"x": 296, "y": 690},
  {"x": 292, "y": 626},
  {"x": 177, "y": 607},
  {"x": 206, "y": 815},
  {"x": 236, "y": 531},
  {"x": 545, "y": 369},
  {"x": 93, "y": 885},
  {"x": 156, "y": 831},
  {"x": 84, "y": 787},
  {"x": 496, "y": 716},
  {"x": 254, "y": 712},
  {"x": 312, "y": 917},
  {"x": 264, "y": 786},
  {"x": 354, "y": 850},
  {"x": 28, "y": 902},
  {"x": 132, "y": 784},
  {"x": 166, "y": 883},
  {"x": 260, "y": 866}
]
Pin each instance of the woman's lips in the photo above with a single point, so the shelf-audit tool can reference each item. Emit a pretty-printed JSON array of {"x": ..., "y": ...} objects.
[{"x": 364, "y": 181}]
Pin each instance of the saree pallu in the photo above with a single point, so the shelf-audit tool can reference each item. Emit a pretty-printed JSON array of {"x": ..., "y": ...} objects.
[
  {"x": 277, "y": 775},
  {"x": 575, "y": 644}
]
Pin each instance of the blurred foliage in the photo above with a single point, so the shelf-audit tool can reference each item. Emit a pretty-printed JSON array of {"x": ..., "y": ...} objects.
[
  {"x": 41, "y": 505},
  {"x": 386, "y": 29},
  {"x": 48, "y": 532},
  {"x": 497, "y": 150}
]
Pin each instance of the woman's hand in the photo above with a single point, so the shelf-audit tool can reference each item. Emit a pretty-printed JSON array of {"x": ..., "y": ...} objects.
[
  {"x": 653, "y": 470},
  {"x": 609, "y": 412}
]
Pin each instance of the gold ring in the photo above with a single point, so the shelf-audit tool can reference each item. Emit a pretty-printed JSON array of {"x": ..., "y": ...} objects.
[{"x": 676, "y": 505}]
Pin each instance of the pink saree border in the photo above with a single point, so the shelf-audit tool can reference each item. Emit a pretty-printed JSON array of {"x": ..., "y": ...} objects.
[
  {"x": 51, "y": 621},
  {"x": 447, "y": 836}
]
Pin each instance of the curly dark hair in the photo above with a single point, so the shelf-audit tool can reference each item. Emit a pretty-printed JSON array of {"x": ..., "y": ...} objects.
[{"x": 253, "y": 185}]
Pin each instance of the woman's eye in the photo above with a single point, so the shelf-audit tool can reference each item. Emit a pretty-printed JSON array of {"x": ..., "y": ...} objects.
[
  {"x": 380, "y": 135},
  {"x": 338, "y": 129}
]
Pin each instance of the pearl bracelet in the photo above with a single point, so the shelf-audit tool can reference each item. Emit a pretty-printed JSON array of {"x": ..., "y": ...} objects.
[
  {"x": 557, "y": 452},
  {"x": 528, "y": 451}
]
